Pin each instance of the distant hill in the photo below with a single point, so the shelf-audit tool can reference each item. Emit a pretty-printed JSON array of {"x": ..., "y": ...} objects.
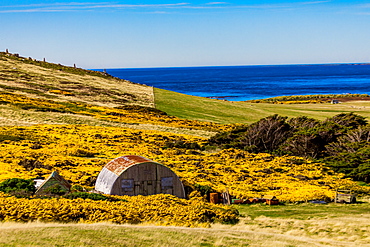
[
  {"x": 40, "y": 79},
  {"x": 37, "y": 92}
]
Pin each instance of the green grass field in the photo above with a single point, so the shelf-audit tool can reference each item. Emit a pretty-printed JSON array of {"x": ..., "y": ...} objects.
[{"x": 220, "y": 111}]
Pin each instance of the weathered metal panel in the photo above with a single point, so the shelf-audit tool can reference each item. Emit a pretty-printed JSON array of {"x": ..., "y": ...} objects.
[
  {"x": 137, "y": 188},
  {"x": 164, "y": 174},
  {"x": 105, "y": 181},
  {"x": 148, "y": 171}
]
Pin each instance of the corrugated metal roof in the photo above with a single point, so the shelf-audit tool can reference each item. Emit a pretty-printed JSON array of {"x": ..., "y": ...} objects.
[{"x": 118, "y": 165}]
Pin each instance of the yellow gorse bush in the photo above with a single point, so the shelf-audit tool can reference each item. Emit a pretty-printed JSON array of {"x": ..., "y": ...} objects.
[
  {"x": 155, "y": 209},
  {"x": 79, "y": 153}
]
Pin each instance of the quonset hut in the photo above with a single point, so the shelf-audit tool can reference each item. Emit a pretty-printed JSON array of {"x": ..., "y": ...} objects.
[{"x": 135, "y": 175}]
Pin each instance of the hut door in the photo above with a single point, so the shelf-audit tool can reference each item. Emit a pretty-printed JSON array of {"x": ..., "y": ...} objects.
[
  {"x": 148, "y": 187},
  {"x": 148, "y": 176}
]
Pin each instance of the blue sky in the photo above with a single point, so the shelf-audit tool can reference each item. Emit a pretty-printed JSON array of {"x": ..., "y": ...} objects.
[{"x": 127, "y": 34}]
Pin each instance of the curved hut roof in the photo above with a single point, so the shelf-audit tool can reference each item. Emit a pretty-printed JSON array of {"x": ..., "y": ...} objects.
[{"x": 120, "y": 164}]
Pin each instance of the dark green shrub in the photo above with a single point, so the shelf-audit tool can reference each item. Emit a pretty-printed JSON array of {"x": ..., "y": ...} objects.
[
  {"x": 203, "y": 189},
  {"x": 77, "y": 188},
  {"x": 10, "y": 138},
  {"x": 18, "y": 187}
]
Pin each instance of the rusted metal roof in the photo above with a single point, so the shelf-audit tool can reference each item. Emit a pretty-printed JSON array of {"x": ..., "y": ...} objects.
[{"x": 118, "y": 165}]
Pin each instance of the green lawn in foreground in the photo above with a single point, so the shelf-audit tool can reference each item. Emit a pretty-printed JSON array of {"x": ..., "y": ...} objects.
[
  {"x": 305, "y": 211},
  {"x": 220, "y": 111}
]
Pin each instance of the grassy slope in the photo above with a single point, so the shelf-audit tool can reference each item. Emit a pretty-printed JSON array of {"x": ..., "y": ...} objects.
[
  {"x": 37, "y": 79},
  {"x": 197, "y": 108},
  {"x": 289, "y": 225},
  {"x": 43, "y": 80}
]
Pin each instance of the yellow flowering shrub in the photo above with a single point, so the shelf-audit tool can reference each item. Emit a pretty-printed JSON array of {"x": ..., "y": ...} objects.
[
  {"x": 155, "y": 209},
  {"x": 247, "y": 175},
  {"x": 79, "y": 153},
  {"x": 57, "y": 91}
]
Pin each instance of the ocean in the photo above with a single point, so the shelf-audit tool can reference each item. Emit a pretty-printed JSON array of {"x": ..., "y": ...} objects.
[{"x": 240, "y": 83}]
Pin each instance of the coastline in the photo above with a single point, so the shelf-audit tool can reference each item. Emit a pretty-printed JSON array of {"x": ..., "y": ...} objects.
[{"x": 243, "y": 83}]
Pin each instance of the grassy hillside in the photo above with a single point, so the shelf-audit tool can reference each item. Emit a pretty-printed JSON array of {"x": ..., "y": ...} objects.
[
  {"x": 38, "y": 92},
  {"x": 34, "y": 92},
  {"x": 220, "y": 111},
  {"x": 61, "y": 83}
]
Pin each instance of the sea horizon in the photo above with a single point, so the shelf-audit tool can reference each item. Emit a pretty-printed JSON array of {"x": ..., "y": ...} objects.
[
  {"x": 245, "y": 65},
  {"x": 248, "y": 82}
]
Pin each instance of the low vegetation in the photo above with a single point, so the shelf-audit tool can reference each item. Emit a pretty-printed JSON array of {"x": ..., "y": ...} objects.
[
  {"x": 341, "y": 142},
  {"x": 101, "y": 235},
  {"x": 78, "y": 153},
  {"x": 156, "y": 209},
  {"x": 39, "y": 79}
]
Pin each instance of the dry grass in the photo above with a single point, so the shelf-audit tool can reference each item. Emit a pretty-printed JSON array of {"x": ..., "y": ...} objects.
[
  {"x": 38, "y": 234},
  {"x": 342, "y": 224},
  {"x": 346, "y": 231},
  {"x": 17, "y": 76},
  {"x": 285, "y": 225}
]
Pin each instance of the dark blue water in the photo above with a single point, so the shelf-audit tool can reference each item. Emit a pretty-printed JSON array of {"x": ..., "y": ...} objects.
[{"x": 238, "y": 83}]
